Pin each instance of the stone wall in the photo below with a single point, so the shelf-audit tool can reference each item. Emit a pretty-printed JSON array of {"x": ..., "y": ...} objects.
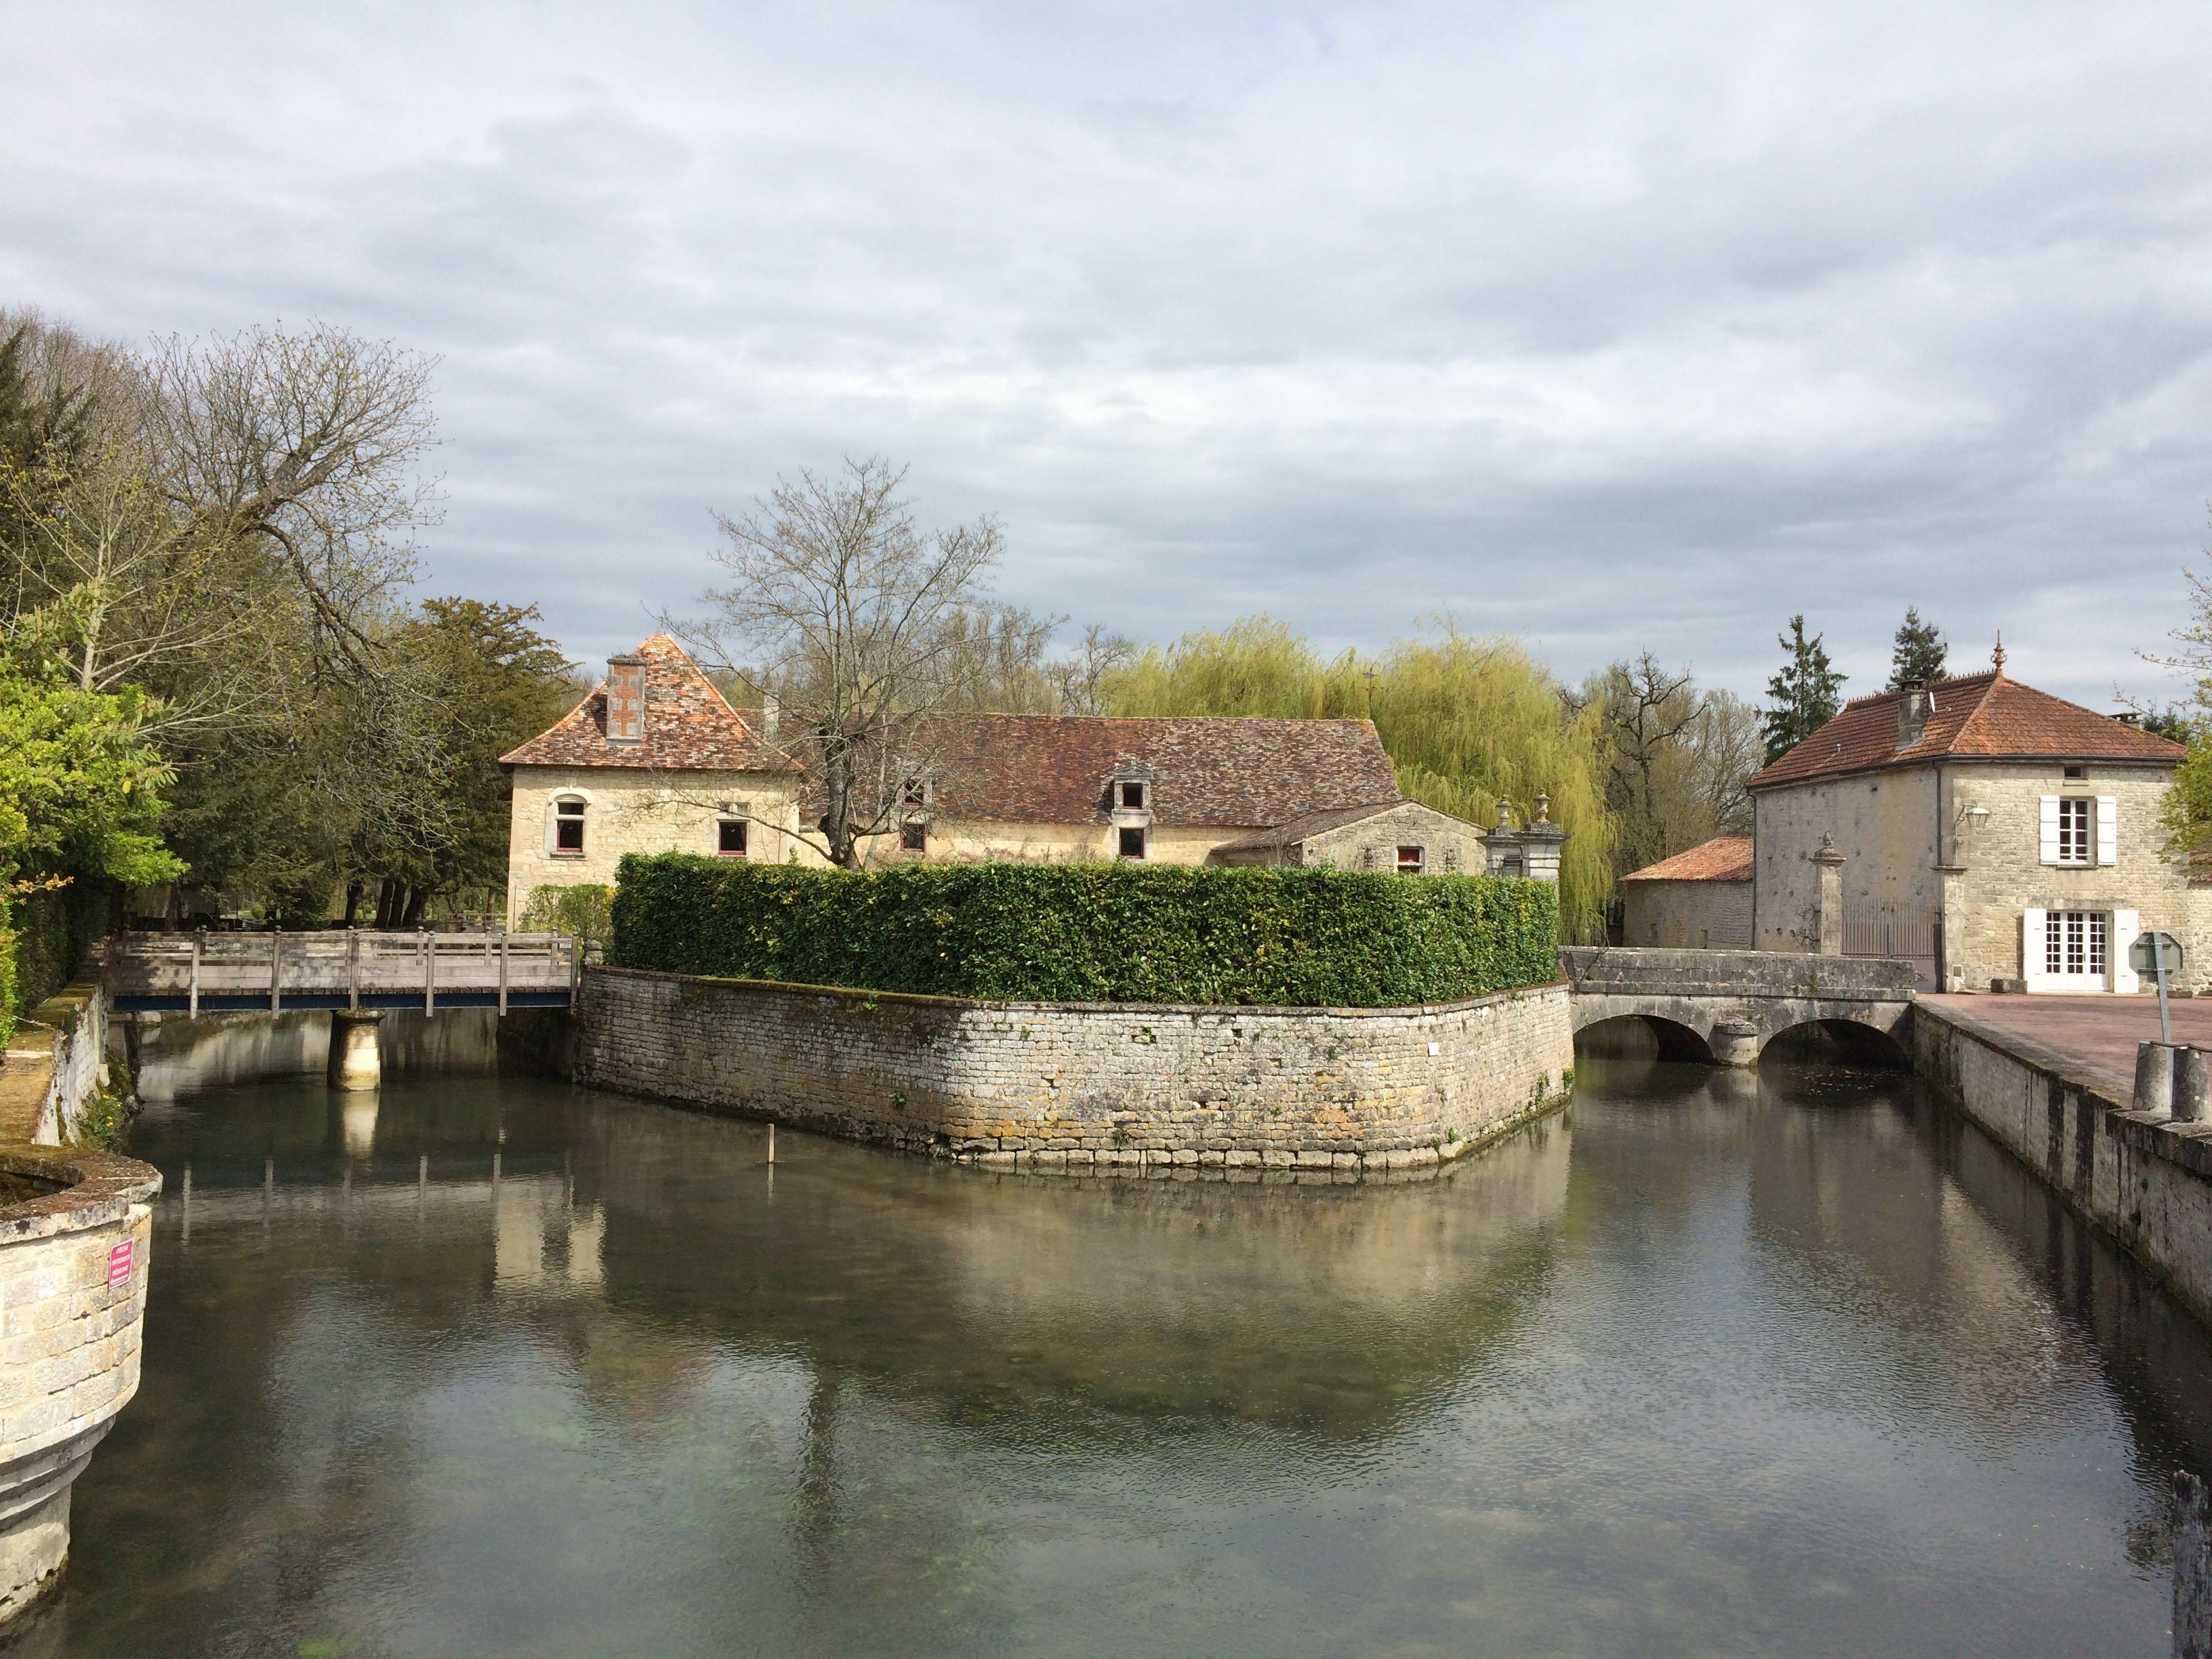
[
  {"x": 2145, "y": 1180},
  {"x": 56, "y": 1064},
  {"x": 2002, "y": 873},
  {"x": 1697, "y": 916},
  {"x": 1063, "y": 1086},
  {"x": 73, "y": 1266},
  {"x": 1449, "y": 846},
  {"x": 639, "y": 810},
  {"x": 1885, "y": 825}
]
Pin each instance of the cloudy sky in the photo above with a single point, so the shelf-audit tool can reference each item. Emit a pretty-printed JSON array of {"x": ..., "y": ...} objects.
[{"x": 1619, "y": 326}]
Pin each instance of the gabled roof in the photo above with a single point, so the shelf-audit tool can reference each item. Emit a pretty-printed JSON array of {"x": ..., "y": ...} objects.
[
  {"x": 1724, "y": 858},
  {"x": 1982, "y": 716},
  {"x": 688, "y": 727},
  {"x": 1298, "y": 829},
  {"x": 1211, "y": 770}
]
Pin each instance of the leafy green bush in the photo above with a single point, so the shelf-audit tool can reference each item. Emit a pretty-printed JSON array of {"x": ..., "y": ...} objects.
[
  {"x": 1091, "y": 933},
  {"x": 580, "y": 911}
]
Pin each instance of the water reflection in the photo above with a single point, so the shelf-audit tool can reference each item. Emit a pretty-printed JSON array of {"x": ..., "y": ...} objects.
[{"x": 1725, "y": 1364}]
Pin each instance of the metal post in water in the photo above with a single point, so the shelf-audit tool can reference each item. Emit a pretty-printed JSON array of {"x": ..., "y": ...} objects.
[
  {"x": 2193, "y": 1571},
  {"x": 192, "y": 1008},
  {"x": 429, "y": 972},
  {"x": 771, "y": 1143},
  {"x": 276, "y": 969}
]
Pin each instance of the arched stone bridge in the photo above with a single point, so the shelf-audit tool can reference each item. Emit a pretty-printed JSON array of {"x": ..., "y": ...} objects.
[{"x": 1727, "y": 1005}]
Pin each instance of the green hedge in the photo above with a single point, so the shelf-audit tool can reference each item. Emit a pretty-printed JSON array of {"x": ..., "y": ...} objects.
[{"x": 1092, "y": 932}]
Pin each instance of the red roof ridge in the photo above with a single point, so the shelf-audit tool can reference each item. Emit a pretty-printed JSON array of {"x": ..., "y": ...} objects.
[{"x": 1724, "y": 858}]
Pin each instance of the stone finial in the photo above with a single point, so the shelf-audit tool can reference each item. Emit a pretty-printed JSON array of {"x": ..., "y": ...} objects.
[
  {"x": 1543, "y": 807},
  {"x": 1827, "y": 852},
  {"x": 1504, "y": 813}
]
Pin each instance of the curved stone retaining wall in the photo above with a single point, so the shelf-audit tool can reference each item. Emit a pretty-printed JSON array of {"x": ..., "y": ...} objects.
[
  {"x": 1081, "y": 1085},
  {"x": 73, "y": 1263}
]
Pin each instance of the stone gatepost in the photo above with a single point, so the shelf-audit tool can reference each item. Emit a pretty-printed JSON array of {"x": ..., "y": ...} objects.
[
  {"x": 1830, "y": 863},
  {"x": 1952, "y": 902}
]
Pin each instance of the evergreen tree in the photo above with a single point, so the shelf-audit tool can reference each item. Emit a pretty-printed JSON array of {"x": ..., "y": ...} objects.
[
  {"x": 1916, "y": 658},
  {"x": 1804, "y": 696}
]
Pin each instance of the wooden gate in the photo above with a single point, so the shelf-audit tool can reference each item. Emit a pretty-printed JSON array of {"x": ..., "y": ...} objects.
[{"x": 1889, "y": 929}]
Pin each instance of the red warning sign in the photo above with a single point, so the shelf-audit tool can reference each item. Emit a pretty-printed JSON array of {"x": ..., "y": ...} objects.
[{"x": 118, "y": 1265}]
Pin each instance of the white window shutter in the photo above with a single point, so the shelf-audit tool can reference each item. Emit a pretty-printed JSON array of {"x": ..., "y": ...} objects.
[
  {"x": 2033, "y": 942},
  {"x": 2051, "y": 829},
  {"x": 2126, "y": 926},
  {"x": 2108, "y": 828}
]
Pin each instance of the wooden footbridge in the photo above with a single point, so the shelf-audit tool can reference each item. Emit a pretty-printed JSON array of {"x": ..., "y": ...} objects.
[{"x": 355, "y": 968}]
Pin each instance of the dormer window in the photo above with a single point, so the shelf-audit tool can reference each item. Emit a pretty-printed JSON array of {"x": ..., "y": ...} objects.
[
  {"x": 567, "y": 837},
  {"x": 1132, "y": 795}
]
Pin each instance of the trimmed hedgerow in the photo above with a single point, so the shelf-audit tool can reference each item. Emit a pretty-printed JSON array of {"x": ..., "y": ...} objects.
[{"x": 1091, "y": 933}]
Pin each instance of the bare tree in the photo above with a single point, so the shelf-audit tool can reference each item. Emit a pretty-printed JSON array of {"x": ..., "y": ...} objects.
[
  {"x": 1678, "y": 759},
  {"x": 1079, "y": 679},
  {"x": 865, "y": 624},
  {"x": 305, "y": 447}
]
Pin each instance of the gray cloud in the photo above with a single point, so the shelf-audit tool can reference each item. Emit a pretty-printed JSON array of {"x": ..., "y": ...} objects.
[{"x": 1620, "y": 325}]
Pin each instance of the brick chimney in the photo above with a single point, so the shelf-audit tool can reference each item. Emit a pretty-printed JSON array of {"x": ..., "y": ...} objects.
[{"x": 626, "y": 699}]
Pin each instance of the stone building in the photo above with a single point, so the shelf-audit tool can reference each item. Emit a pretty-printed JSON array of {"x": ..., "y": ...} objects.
[
  {"x": 655, "y": 760},
  {"x": 1700, "y": 899},
  {"x": 1994, "y": 832}
]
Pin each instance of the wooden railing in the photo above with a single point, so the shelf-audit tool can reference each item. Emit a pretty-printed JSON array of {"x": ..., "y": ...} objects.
[{"x": 352, "y": 968}]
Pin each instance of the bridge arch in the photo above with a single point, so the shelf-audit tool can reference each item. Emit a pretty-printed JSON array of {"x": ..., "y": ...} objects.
[
  {"x": 1852, "y": 1042},
  {"x": 1642, "y": 1036}
]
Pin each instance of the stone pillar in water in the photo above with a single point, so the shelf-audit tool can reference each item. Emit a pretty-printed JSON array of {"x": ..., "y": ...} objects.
[{"x": 354, "y": 1063}]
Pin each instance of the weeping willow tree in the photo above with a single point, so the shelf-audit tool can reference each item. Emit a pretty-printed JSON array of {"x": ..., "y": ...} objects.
[{"x": 1467, "y": 721}]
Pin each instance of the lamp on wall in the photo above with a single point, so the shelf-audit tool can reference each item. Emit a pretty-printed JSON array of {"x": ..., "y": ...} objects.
[{"x": 1971, "y": 817}]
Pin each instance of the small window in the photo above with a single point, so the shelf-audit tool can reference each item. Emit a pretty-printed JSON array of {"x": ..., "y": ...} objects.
[
  {"x": 1132, "y": 843},
  {"x": 568, "y": 829},
  {"x": 1132, "y": 797},
  {"x": 730, "y": 838},
  {"x": 914, "y": 836},
  {"x": 2077, "y": 774},
  {"x": 915, "y": 793},
  {"x": 2073, "y": 829},
  {"x": 1410, "y": 860}
]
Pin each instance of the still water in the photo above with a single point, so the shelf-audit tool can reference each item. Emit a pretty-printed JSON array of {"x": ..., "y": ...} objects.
[{"x": 1715, "y": 1365}]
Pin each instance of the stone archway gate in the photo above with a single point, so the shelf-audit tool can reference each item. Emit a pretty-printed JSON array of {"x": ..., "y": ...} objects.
[{"x": 1737, "y": 1001}]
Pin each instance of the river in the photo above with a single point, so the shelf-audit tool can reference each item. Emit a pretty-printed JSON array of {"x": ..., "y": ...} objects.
[{"x": 1713, "y": 1364}]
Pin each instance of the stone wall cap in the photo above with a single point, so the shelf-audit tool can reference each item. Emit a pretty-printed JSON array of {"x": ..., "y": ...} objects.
[
  {"x": 851, "y": 993},
  {"x": 100, "y": 1188}
]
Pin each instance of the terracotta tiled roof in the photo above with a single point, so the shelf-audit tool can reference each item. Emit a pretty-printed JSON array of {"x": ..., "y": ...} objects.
[
  {"x": 1054, "y": 768},
  {"x": 1982, "y": 716},
  {"x": 688, "y": 727},
  {"x": 1724, "y": 858}
]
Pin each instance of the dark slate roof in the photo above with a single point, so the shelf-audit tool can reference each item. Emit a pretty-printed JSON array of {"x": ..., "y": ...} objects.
[
  {"x": 688, "y": 727},
  {"x": 1982, "y": 716},
  {"x": 1216, "y": 771},
  {"x": 1724, "y": 858}
]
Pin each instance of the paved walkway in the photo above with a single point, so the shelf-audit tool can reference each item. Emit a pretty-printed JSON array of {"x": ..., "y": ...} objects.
[{"x": 2100, "y": 1031}]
